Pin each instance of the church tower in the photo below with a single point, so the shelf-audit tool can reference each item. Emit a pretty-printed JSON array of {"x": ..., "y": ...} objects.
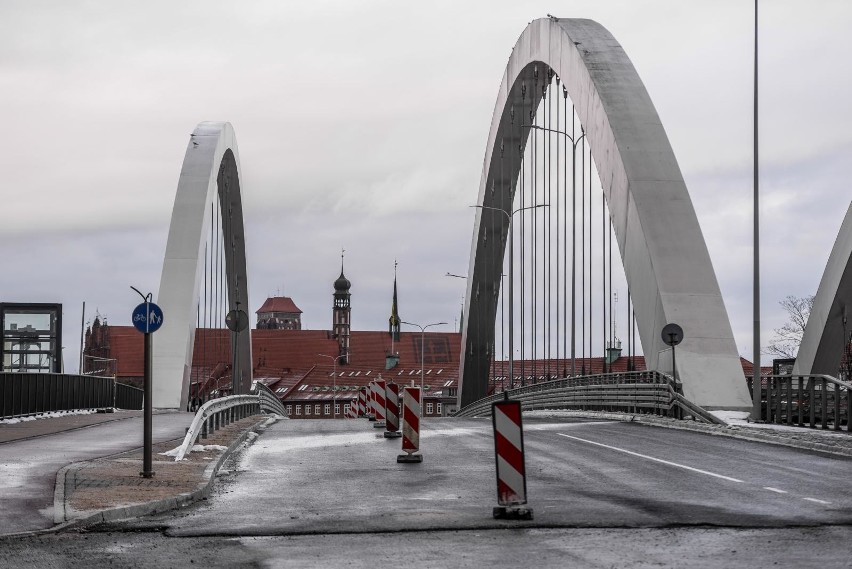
[{"x": 342, "y": 314}]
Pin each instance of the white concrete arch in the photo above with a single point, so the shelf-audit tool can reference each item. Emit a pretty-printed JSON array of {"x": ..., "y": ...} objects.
[
  {"x": 665, "y": 257},
  {"x": 821, "y": 350},
  {"x": 211, "y": 168}
]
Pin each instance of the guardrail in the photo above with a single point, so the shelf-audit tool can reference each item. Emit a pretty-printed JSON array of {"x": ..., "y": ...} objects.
[
  {"x": 217, "y": 413},
  {"x": 25, "y": 394},
  {"x": 804, "y": 400},
  {"x": 632, "y": 392}
]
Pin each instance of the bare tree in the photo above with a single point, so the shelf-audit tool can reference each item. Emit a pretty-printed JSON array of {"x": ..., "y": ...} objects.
[{"x": 786, "y": 340}]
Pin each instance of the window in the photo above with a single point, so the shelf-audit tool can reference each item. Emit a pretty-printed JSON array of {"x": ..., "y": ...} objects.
[
  {"x": 429, "y": 409},
  {"x": 289, "y": 409},
  {"x": 316, "y": 409},
  {"x": 346, "y": 409},
  {"x": 337, "y": 408},
  {"x": 438, "y": 408},
  {"x": 327, "y": 409},
  {"x": 298, "y": 410}
]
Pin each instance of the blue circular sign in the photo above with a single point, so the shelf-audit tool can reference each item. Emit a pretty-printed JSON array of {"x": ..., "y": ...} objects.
[{"x": 147, "y": 317}]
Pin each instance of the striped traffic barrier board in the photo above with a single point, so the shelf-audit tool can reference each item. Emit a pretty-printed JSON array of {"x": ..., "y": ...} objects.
[
  {"x": 509, "y": 456},
  {"x": 379, "y": 403},
  {"x": 371, "y": 395},
  {"x": 392, "y": 411},
  {"x": 410, "y": 425},
  {"x": 362, "y": 402}
]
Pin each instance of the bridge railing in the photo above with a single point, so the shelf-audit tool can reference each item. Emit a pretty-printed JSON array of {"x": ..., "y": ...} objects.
[
  {"x": 26, "y": 394},
  {"x": 804, "y": 400},
  {"x": 219, "y": 412},
  {"x": 632, "y": 392}
]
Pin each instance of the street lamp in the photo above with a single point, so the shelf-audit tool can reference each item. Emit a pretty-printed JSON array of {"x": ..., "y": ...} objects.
[
  {"x": 511, "y": 216},
  {"x": 422, "y": 346},
  {"x": 574, "y": 143},
  {"x": 334, "y": 389}
]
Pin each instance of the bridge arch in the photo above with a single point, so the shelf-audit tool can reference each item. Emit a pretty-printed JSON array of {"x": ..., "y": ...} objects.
[
  {"x": 210, "y": 171},
  {"x": 826, "y": 334},
  {"x": 665, "y": 258}
]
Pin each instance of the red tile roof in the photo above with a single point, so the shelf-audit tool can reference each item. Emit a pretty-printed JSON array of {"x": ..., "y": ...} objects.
[{"x": 278, "y": 304}]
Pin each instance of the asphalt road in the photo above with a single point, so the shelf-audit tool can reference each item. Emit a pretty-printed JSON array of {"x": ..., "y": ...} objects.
[
  {"x": 28, "y": 467},
  {"x": 605, "y": 494},
  {"x": 328, "y": 477}
]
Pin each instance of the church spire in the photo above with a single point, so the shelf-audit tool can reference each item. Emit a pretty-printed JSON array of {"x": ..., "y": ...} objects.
[
  {"x": 393, "y": 321},
  {"x": 341, "y": 318}
]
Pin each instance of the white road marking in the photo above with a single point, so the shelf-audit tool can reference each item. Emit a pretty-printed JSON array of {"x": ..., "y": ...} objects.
[
  {"x": 817, "y": 501},
  {"x": 660, "y": 460},
  {"x": 557, "y": 426},
  {"x": 776, "y": 490}
]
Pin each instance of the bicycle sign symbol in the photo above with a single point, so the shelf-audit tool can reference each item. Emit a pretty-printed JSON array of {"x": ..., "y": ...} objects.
[{"x": 147, "y": 317}]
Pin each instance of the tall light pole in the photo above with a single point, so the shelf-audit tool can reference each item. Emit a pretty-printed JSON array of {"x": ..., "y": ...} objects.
[
  {"x": 755, "y": 380},
  {"x": 511, "y": 216},
  {"x": 422, "y": 346},
  {"x": 334, "y": 389},
  {"x": 574, "y": 143}
]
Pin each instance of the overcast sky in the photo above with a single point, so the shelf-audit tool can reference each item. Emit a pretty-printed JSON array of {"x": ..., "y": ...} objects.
[{"x": 363, "y": 125}]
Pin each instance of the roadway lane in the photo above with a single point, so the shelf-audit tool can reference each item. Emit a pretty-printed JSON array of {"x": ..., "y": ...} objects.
[
  {"x": 304, "y": 477},
  {"x": 625, "y": 474},
  {"x": 28, "y": 467}
]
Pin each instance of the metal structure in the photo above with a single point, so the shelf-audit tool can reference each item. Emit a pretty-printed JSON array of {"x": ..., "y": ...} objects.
[
  {"x": 209, "y": 183},
  {"x": 218, "y": 413},
  {"x": 665, "y": 258},
  {"x": 31, "y": 337},
  {"x": 25, "y": 394},
  {"x": 804, "y": 401},
  {"x": 827, "y": 332},
  {"x": 649, "y": 392}
]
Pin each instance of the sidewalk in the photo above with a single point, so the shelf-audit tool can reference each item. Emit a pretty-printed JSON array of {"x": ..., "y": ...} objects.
[
  {"x": 111, "y": 488},
  {"x": 40, "y": 426}
]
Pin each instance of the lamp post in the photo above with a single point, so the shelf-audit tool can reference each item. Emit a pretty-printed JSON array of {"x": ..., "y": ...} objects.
[
  {"x": 334, "y": 388},
  {"x": 511, "y": 216},
  {"x": 574, "y": 143},
  {"x": 422, "y": 346}
]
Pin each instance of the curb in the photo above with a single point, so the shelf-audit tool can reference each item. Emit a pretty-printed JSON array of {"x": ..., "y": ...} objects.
[
  {"x": 731, "y": 431},
  {"x": 61, "y": 512}
]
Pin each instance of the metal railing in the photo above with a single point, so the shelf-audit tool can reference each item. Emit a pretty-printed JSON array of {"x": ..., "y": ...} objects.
[
  {"x": 804, "y": 400},
  {"x": 25, "y": 394},
  {"x": 650, "y": 392},
  {"x": 217, "y": 413}
]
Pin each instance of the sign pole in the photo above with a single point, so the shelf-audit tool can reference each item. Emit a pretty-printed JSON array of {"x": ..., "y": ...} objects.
[
  {"x": 147, "y": 318},
  {"x": 147, "y": 468}
]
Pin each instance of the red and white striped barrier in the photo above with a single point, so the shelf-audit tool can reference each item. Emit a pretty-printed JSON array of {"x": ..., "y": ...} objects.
[
  {"x": 509, "y": 455},
  {"x": 362, "y": 402},
  {"x": 410, "y": 425},
  {"x": 371, "y": 404},
  {"x": 353, "y": 409},
  {"x": 392, "y": 411},
  {"x": 379, "y": 403}
]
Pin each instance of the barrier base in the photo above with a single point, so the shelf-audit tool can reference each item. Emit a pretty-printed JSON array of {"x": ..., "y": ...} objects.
[
  {"x": 379, "y": 425},
  {"x": 513, "y": 513},
  {"x": 409, "y": 458},
  {"x": 371, "y": 419},
  {"x": 392, "y": 434}
]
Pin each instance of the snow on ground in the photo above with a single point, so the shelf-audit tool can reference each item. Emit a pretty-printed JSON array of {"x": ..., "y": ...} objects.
[
  {"x": 195, "y": 448},
  {"x": 50, "y": 415}
]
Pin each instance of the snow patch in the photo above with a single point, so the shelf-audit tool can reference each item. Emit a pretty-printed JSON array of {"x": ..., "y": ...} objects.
[
  {"x": 195, "y": 448},
  {"x": 50, "y": 415}
]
